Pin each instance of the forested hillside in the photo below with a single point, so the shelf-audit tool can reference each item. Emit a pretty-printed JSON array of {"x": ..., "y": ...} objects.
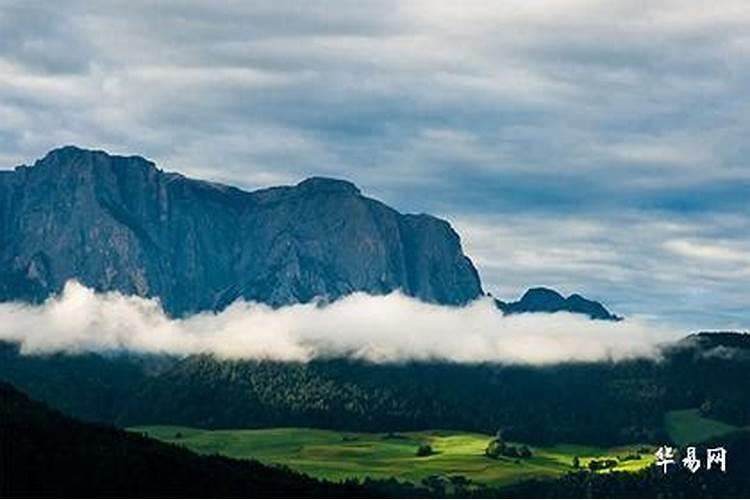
[{"x": 597, "y": 403}]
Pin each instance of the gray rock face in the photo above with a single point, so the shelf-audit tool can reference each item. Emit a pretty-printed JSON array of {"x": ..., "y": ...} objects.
[{"x": 120, "y": 223}]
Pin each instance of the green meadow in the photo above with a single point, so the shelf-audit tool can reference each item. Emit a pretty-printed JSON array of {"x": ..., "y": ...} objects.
[
  {"x": 341, "y": 455},
  {"x": 687, "y": 427}
]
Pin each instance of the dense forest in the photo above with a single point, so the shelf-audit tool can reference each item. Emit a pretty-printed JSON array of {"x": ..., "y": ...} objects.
[{"x": 598, "y": 403}]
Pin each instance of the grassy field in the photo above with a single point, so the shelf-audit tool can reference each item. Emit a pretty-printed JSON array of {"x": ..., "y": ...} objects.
[
  {"x": 686, "y": 427},
  {"x": 340, "y": 455}
]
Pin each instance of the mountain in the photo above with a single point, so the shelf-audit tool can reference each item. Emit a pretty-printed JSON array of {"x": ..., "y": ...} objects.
[
  {"x": 46, "y": 454},
  {"x": 542, "y": 299},
  {"x": 120, "y": 223}
]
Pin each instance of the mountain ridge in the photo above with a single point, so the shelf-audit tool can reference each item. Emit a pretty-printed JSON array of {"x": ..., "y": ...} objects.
[{"x": 121, "y": 223}]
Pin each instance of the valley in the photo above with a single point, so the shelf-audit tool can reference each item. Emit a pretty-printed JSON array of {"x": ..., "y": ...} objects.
[{"x": 333, "y": 455}]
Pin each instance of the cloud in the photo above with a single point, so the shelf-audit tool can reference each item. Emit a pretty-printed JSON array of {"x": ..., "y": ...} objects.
[
  {"x": 540, "y": 86},
  {"x": 375, "y": 328},
  {"x": 692, "y": 269},
  {"x": 558, "y": 110},
  {"x": 714, "y": 251}
]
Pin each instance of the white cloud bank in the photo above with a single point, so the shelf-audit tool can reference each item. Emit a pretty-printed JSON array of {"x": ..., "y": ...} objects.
[{"x": 384, "y": 328}]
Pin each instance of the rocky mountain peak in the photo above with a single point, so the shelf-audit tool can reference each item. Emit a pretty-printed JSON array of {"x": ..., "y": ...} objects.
[
  {"x": 119, "y": 223},
  {"x": 75, "y": 156},
  {"x": 328, "y": 185},
  {"x": 542, "y": 299}
]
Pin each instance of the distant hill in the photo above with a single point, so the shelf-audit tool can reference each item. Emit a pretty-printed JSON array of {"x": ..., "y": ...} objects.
[
  {"x": 120, "y": 223},
  {"x": 546, "y": 300},
  {"x": 45, "y": 454}
]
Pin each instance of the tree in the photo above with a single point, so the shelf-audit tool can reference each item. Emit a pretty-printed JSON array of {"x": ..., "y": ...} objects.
[
  {"x": 576, "y": 462},
  {"x": 495, "y": 448},
  {"x": 424, "y": 450},
  {"x": 460, "y": 483},
  {"x": 511, "y": 451},
  {"x": 435, "y": 484}
]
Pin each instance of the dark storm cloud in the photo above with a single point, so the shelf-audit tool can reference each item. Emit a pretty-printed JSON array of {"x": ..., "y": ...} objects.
[{"x": 629, "y": 114}]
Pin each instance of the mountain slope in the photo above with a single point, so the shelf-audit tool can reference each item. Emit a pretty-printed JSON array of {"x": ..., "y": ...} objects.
[
  {"x": 119, "y": 223},
  {"x": 44, "y": 453}
]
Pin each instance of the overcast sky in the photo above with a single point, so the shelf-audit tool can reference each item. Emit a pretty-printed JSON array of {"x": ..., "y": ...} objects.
[{"x": 597, "y": 147}]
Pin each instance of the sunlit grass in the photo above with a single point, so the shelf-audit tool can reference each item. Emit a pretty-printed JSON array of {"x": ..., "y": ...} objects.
[{"x": 340, "y": 455}]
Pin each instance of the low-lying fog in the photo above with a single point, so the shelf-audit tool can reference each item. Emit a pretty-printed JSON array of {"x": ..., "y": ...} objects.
[{"x": 376, "y": 328}]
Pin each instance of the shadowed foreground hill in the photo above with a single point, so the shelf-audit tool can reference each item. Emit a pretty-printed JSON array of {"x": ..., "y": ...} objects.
[{"x": 45, "y": 454}]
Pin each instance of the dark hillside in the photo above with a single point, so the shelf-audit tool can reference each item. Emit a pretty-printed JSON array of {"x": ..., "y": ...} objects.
[{"x": 45, "y": 454}]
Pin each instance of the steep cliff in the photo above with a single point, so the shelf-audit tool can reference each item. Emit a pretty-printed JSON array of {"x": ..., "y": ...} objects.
[{"x": 120, "y": 223}]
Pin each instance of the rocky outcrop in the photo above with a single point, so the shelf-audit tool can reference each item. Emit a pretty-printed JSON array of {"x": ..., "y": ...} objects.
[
  {"x": 120, "y": 223},
  {"x": 542, "y": 299}
]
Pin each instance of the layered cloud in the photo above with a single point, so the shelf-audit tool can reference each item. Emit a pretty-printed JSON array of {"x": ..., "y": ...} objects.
[
  {"x": 691, "y": 269},
  {"x": 561, "y": 110},
  {"x": 375, "y": 328}
]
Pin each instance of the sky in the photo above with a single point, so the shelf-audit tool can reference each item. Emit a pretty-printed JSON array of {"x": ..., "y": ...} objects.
[{"x": 593, "y": 147}]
